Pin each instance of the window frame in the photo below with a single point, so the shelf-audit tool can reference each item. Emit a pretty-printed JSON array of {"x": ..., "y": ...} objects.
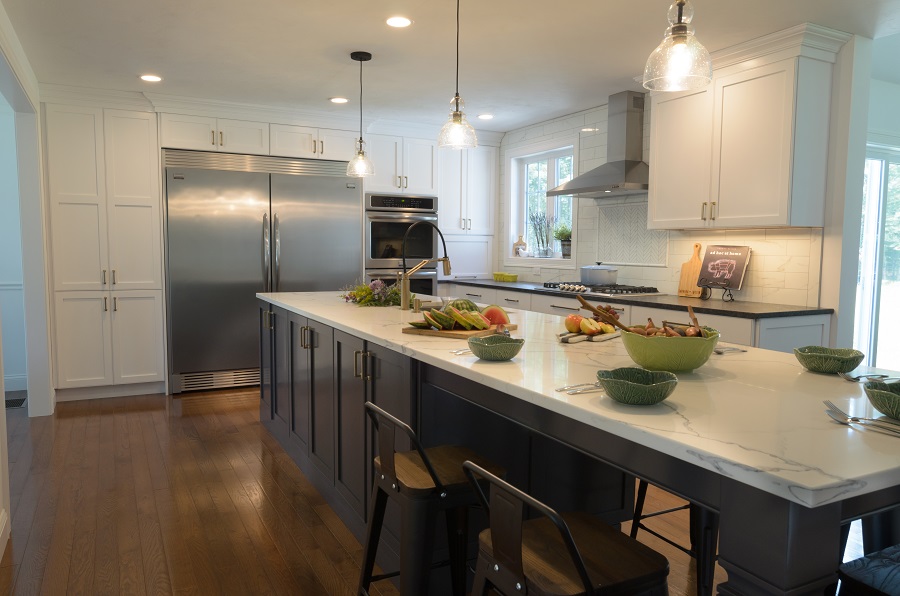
[{"x": 514, "y": 215}]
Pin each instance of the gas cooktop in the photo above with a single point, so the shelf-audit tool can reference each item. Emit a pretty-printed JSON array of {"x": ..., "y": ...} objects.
[{"x": 607, "y": 290}]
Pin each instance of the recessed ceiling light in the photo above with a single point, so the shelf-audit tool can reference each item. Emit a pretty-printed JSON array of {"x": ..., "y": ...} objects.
[
  {"x": 399, "y": 22},
  {"x": 338, "y": 99},
  {"x": 151, "y": 78},
  {"x": 485, "y": 116}
]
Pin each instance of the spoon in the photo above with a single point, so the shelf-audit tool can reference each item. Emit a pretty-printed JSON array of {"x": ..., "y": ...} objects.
[{"x": 868, "y": 426}]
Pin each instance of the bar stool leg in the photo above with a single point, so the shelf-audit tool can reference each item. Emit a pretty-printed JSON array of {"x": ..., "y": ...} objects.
[
  {"x": 638, "y": 507},
  {"x": 479, "y": 585},
  {"x": 373, "y": 535},
  {"x": 457, "y": 538},
  {"x": 417, "y": 526},
  {"x": 704, "y": 538}
]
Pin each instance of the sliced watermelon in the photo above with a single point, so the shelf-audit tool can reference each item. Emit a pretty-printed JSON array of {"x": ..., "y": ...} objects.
[
  {"x": 459, "y": 318},
  {"x": 476, "y": 319},
  {"x": 445, "y": 321},
  {"x": 420, "y": 324},
  {"x": 432, "y": 321},
  {"x": 496, "y": 315},
  {"x": 461, "y": 304}
]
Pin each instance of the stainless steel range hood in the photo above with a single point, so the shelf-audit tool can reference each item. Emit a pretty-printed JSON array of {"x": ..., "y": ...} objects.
[{"x": 624, "y": 173}]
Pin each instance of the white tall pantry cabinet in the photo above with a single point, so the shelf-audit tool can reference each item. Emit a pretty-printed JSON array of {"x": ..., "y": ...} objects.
[{"x": 106, "y": 234}]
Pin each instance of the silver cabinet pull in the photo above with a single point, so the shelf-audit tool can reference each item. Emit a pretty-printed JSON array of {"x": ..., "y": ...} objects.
[
  {"x": 304, "y": 337},
  {"x": 399, "y": 181},
  {"x": 474, "y": 295},
  {"x": 315, "y": 146},
  {"x": 712, "y": 211},
  {"x": 622, "y": 310},
  {"x": 356, "y": 355},
  {"x": 703, "y": 211},
  {"x": 469, "y": 227},
  {"x": 105, "y": 304},
  {"x": 115, "y": 304},
  {"x": 511, "y": 300},
  {"x": 265, "y": 251},
  {"x": 406, "y": 182},
  {"x": 277, "y": 281},
  {"x": 465, "y": 277},
  {"x": 221, "y": 139},
  {"x": 113, "y": 276},
  {"x": 366, "y": 356},
  {"x": 462, "y": 223},
  {"x": 103, "y": 282},
  {"x": 321, "y": 147},
  {"x": 564, "y": 307},
  {"x": 212, "y": 138}
]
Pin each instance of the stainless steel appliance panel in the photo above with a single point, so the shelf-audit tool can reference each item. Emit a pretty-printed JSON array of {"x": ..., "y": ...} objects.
[
  {"x": 384, "y": 238},
  {"x": 215, "y": 267},
  {"x": 316, "y": 233}
]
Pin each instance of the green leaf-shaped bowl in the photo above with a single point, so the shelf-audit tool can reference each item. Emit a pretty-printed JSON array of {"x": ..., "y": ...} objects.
[
  {"x": 495, "y": 347},
  {"x": 884, "y": 397},
  {"x": 828, "y": 360},
  {"x": 637, "y": 386},
  {"x": 670, "y": 353}
]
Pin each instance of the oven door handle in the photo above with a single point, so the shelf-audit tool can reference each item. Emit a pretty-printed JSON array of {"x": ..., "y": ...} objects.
[
  {"x": 394, "y": 217},
  {"x": 420, "y": 274}
]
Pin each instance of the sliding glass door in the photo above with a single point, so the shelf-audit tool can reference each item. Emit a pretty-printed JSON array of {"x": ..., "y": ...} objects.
[{"x": 877, "y": 327}]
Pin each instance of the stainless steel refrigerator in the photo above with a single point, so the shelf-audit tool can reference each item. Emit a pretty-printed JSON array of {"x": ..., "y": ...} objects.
[{"x": 237, "y": 225}]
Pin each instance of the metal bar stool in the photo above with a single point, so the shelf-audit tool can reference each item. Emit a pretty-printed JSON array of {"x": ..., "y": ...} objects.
[
  {"x": 704, "y": 533},
  {"x": 876, "y": 574},
  {"x": 424, "y": 482},
  {"x": 570, "y": 554}
]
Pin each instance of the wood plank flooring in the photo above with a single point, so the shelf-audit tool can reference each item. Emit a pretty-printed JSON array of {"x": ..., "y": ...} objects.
[{"x": 157, "y": 495}]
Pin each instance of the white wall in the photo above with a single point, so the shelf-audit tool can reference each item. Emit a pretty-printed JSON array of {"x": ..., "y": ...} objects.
[
  {"x": 12, "y": 305},
  {"x": 884, "y": 115}
]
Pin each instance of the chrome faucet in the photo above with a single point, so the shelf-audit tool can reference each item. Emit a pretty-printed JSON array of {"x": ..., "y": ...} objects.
[{"x": 404, "y": 276}]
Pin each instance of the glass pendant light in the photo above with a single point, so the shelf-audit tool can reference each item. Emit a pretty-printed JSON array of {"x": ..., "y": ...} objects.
[
  {"x": 457, "y": 133},
  {"x": 680, "y": 62},
  {"x": 360, "y": 166}
]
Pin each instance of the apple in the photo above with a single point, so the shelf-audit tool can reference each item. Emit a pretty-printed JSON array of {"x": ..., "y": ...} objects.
[
  {"x": 607, "y": 328},
  {"x": 590, "y": 326},
  {"x": 573, "y": 323}
]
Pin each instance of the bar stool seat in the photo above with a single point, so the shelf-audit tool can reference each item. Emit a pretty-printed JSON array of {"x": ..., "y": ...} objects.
[
  {"x": 425, "y": 483},
  {"x": 876, "y": 574},
  {"x": 554, "y": 554}
]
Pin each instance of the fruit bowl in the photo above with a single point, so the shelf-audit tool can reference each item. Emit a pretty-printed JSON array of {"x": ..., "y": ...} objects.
[
  {"x": 828, "y": 360},
  {"x": 884, "y": 397},
  {"x": 495, "y": 347},
  {"x": 636, "y": 386},
  {"x": 671, "y": 354}
]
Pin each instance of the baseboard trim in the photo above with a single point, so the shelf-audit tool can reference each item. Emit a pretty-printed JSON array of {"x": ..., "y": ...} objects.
[{"x": 81, "y": 393}]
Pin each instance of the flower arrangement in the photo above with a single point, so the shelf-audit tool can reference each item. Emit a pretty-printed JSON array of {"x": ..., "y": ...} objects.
[
  {"x": 542, "y": 232},
  {"x": 377, "y": 293}
]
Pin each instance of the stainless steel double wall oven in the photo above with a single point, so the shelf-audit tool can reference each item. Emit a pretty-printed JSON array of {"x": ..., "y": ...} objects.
[{"x": 387, "y": 219}]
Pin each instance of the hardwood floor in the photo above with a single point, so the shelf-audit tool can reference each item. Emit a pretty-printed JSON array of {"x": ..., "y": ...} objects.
[{"x": 155, "y": 495}]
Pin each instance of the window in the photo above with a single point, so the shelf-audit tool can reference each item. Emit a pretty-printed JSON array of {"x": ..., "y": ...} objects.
[{"x": 534, "y": 215}]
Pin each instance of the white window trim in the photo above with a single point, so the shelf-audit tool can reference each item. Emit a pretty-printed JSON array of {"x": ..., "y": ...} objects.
[{"x": 511, "y": 206}]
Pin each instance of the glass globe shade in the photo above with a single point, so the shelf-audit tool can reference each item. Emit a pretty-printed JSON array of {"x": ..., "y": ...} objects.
[
  {"x": 360, "y": 166},
  {"x": 457, "y": 133},
  {"x": 679, "y": 63}
]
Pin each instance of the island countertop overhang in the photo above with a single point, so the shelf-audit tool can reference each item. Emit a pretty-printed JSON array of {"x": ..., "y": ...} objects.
[{"x": 755, "y": 417}]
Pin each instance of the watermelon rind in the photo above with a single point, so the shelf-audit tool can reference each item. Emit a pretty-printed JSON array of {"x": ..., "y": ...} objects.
[
  {"x": 475, "y": 318},
  {"x": 495, "y": 314},
  {"x": 459, "y": 318},
  {"x": 432, "y": 321},
  {"x": 421, "y": 324},
  {"x": 462, "y": 304},
  {"x": 445, "y": 320}
]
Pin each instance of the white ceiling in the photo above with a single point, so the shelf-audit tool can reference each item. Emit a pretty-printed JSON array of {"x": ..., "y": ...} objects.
[{"x": 522, "y": 60}]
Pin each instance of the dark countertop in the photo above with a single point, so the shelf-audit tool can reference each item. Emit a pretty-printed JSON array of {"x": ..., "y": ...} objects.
[{"x": 713, "y": 306}]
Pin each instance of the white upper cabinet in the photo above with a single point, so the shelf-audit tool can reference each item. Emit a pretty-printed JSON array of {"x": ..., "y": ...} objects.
[
  {"x": 764, "y": 163},
  {"x": 402, "y": 165},
  {"x": 214, "y": 134},
  {"x": 468, "y": 190},
  {"x": 312, "y": 143}
]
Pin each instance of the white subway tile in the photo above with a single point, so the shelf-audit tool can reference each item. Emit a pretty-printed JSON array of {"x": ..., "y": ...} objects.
[{"x": 796, "y": 281}]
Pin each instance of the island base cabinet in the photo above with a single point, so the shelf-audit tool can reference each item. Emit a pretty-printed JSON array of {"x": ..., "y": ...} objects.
[
  {"x": 352, "y": 438},
  {"x": 275, "y": 385}
]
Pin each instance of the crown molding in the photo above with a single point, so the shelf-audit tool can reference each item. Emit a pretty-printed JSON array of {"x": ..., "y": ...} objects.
[
  {"x": 88, "y": 96},
  {"x": 428, "y": 131},
  {"x": 18, "y": 84},
  {"x": 807, "y": 39}
]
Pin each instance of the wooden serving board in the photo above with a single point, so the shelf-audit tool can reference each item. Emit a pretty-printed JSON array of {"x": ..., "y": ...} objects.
[
  {"x": 690, "y": 272},
  {"x": 457, "y": 333}
]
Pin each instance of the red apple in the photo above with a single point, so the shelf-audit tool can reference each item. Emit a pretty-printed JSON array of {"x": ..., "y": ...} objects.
[
  {"x": 590, "y": 326},
  {"x": 573, "y": 323}
]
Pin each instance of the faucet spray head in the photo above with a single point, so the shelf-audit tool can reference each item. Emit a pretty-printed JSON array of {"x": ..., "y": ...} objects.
[{"x": 446, "y": 262}]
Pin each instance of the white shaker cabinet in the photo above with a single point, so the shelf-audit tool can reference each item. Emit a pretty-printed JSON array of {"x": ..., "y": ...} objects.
[
  {"x": 312, "y": 143},
  {"x": 471, "y": 257},
  {"x": 767, "y": 149},
  {"x": 402, "y": 165},
  {"x": 468, "y": 190},
  {"x": 203, "y": 133},
  {"x": 106, "y": 245}
]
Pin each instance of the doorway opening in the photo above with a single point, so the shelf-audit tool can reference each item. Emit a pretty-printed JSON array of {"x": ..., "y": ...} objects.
[{"x": 878, "y": 283}]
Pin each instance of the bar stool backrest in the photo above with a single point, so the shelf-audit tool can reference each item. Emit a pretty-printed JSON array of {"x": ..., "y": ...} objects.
[
  {"x": 505, "y": 509},
  {"x": 386, "y": 426}
]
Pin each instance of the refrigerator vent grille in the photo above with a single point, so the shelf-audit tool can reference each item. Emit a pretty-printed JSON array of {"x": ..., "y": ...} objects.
[
  {"x": 207, "y": 160},
  {"x": 215, "y": 380}
]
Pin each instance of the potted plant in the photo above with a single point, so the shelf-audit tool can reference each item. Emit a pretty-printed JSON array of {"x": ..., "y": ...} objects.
[
  {"x": 563, "y": 233},
  {"x": 542, "y": 230}
]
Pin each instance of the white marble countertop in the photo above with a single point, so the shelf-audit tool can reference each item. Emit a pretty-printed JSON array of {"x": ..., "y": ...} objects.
[{"x": 754, "y": 416}]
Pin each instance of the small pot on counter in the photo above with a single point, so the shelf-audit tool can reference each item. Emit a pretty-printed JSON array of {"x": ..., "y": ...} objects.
[{"x": 599, "y": 275}]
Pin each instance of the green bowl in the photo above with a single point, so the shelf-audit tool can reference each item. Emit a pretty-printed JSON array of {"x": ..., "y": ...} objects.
[
  {"x": 495, "y": 347},
  {"x": 884, "y": 397},
  {"x": 670, "y": 353},
  {"x": 828, "y": 360},
  {"x": 636, "y": 386}
]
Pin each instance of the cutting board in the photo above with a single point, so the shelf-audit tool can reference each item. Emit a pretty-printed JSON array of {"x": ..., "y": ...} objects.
[
  {"x": 690, "y": 273},
  {"x": 457, "y": 333}
]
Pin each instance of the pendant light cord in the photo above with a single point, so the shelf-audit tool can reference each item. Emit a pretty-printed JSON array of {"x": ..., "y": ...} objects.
[
  {"x": 360, "y": 103},
  {"x": 457, "y": 56}
]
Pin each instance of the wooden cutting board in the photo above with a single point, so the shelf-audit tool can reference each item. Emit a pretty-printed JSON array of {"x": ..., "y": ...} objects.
[
  {"x": 690, "y": 272},
  {"x": 457, "y": 333}
]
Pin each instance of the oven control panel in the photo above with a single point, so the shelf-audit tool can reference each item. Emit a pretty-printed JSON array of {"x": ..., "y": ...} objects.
[{"x": 401, "y": 202}]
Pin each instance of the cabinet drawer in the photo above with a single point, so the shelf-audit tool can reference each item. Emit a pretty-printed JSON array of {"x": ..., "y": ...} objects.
[
  {"x": 555, "y": 305},
  {"x": 476, "y": 294},
  {"x": 514, "y": 300}
]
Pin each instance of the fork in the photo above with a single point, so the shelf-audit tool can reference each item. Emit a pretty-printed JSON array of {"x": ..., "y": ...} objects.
[
  {"x": 588, "y": 389},
  {"x": 461, "y": 351},
  {"x": 878, "y": 422},
  {"x": 858, "y": 378},
  {"x": 568, "y": 387}
]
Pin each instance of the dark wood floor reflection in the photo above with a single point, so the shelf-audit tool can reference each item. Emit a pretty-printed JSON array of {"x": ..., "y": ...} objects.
[{"x": 155, "y": 495}]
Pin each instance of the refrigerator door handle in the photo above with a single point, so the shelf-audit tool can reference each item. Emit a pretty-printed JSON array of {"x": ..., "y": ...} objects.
[
  {"x": 265, "y": 252},
  {"x": 277, "y": 279}
]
